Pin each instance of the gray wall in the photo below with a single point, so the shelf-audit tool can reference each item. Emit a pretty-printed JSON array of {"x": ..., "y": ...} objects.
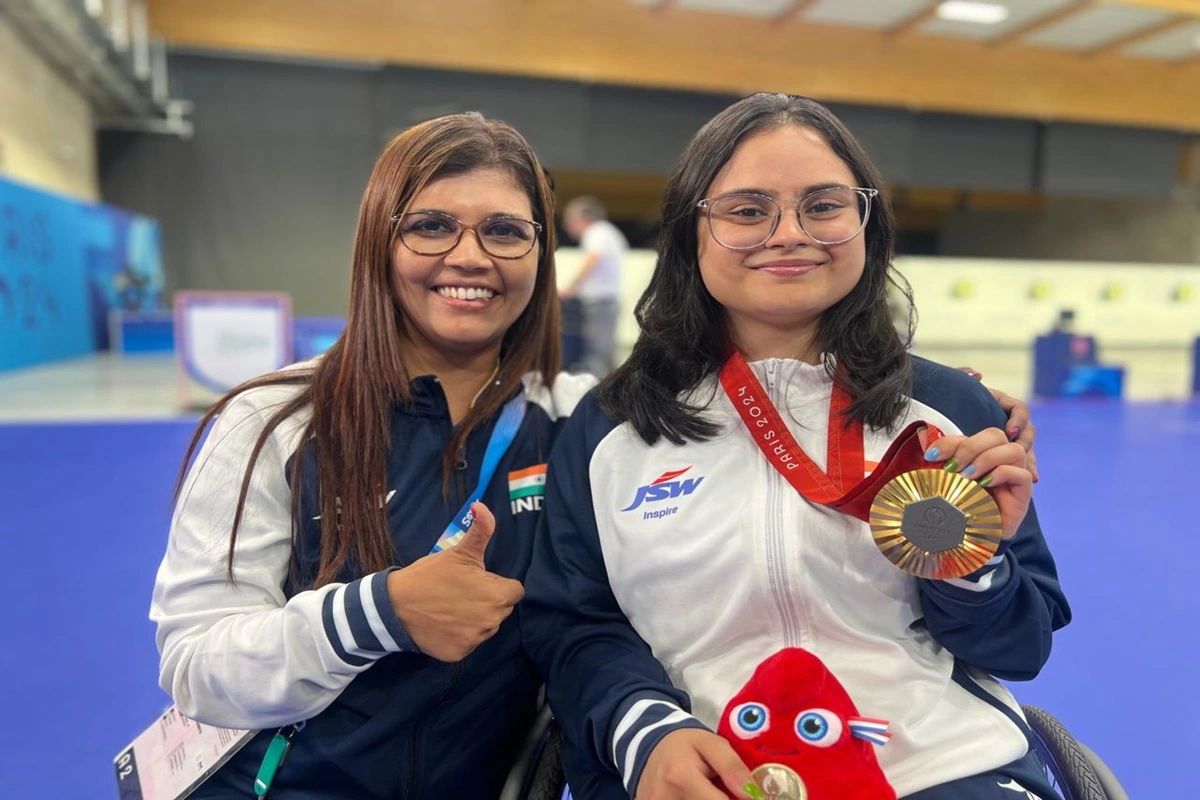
[
  {"x": 1112, "y": 197},
  {"x": 266, "y": 194},
  {"x": 945, "y": 151},
  {"x": 1085, "y": 229},
  {"x": 1090, "y": 161}
]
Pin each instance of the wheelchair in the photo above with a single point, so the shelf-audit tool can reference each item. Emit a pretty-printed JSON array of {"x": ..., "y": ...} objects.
[
  {"x": 1074, "y": 770},
  {"x": 538, "y": 773}
]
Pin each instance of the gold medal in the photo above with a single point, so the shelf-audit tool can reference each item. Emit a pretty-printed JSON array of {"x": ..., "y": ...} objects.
[
  {"x": 779, "y": 782},
  {"x": 935, "y": 524}
]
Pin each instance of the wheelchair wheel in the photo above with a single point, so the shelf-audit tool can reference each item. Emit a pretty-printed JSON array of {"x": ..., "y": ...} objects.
[
  {"x": 1113, "y": 790},
  {"x": 1067, "y": 764},
  {"x": 546, "y": 779},
  {"x": 538, "y": 773}
]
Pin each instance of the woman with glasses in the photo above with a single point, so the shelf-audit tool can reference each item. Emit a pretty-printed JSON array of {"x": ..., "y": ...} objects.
[
  {"x": 698, "y": 533},
  {"x": 329, "y": 579}
]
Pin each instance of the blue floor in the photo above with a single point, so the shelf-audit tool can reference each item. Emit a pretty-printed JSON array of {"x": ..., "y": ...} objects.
[{"x": 84, "y": 519}]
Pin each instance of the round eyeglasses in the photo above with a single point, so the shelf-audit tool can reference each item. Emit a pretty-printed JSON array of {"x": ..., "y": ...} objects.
[
  {"x": 432, "y": 233},
  {"x": 827, "y": 216}
]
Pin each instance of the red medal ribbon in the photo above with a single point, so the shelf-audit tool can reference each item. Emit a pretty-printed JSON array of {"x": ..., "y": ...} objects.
[{"x": 841, "y": 485}]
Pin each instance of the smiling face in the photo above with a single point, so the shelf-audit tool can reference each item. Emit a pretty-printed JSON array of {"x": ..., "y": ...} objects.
[
  {"x": 788, "y": 282},
  {"x": 461, "y": 303}
]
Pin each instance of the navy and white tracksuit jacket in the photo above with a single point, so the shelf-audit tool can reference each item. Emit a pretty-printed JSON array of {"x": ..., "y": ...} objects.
[
  {"x": 663, "y": 575},
  {"x": 384, "y": 720}
]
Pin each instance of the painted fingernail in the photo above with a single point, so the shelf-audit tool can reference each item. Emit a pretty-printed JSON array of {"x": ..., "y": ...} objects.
[
  {"x": 976, "y": 375},
  {"x": 753, "y": 791},
  {"x": 932, "y": 454},
  {"x": 969, "y": 471},
  {"x": 951, "y": 465},
  {"x": 985, "y": 481},
  {"x": 1014, "y": 433}
]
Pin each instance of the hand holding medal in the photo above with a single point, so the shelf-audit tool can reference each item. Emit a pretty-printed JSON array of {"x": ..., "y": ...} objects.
[
  {"x": 996, "y": 463},
  {"x": 939, "y": 523},
  {"x": 935, "y": 523}
]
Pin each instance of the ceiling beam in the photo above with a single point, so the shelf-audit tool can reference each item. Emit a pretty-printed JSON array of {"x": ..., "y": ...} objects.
[
  {"x": 1044, "y": 21},
  {"x": 796, "y": 9},
  {"x": 915, "y": 21},
  {"x": 623, "y": 44},
  {"x": 1121, "y": 42},
  {"x": 1188, "y": 8}
]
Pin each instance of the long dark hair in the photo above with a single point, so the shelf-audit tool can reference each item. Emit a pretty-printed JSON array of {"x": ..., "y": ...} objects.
[
  {"x": 351, "y": 390},
  {"x": 684, "y": 338}
]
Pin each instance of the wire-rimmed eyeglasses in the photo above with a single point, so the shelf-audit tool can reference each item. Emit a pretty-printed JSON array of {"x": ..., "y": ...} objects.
[
  {"x": 434, "y": 233},
  {"x": 744, "y": 221}
]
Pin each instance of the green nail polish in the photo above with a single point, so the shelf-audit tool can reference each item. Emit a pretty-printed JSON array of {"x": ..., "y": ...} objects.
[
  {"x": 752, "y": 789},
  {"x": 951, "y": 465},
  {"x": 985, "y": 481}
]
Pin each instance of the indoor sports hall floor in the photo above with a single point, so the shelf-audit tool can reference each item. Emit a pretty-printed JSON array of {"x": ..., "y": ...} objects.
[{"x": 89, "y": 451}]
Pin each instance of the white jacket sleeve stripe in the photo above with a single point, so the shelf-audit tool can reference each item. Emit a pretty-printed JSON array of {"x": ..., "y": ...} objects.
[
  {"x": 244, "y": 654},
  {"x": 363, "y": 636},
  {"x": 376, "y": 613},
  {"x": 337, "y": 628},
  {"x": 630, "y": 760},
  {"x": 632, "y": 716}
]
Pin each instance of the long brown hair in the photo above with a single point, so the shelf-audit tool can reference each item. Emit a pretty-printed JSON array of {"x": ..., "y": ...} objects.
[{"x": 351, "y": 390}]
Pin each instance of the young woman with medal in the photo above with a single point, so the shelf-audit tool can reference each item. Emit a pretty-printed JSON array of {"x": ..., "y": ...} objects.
[
  {"x": 774, "y": 540},
  {"x": 347, "y": 549}
]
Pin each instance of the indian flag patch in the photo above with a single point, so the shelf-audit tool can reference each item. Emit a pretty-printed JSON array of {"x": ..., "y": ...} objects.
[{"x": 526, "y": 488}]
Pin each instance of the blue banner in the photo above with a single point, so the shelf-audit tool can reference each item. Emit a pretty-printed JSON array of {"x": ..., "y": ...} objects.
[
  {"x": 43, "y": 282},
  {"x": 124, "y": 265},
  {"x": 63, "y": 265}
]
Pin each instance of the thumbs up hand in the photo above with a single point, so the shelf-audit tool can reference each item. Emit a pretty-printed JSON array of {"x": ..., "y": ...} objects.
[
  {"x": 448, "y": 602},
  {"x": 475, "y": 541}
]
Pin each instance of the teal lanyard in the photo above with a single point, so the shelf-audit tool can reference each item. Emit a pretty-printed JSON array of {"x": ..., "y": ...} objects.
[{"x": 498, "y": 443}]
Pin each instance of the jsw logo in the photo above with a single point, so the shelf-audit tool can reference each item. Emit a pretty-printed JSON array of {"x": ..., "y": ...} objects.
[{"x": 664, "y": 487}]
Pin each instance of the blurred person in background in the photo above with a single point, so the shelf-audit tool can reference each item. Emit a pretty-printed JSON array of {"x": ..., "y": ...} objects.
[
  {"x": 348, "y": 547},
  {"x": 597, "y": 285},
  {"x": 649, "y": 607}
]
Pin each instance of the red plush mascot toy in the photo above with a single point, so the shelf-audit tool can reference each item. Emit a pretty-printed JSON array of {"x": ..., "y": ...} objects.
[{"x": 794, "y": 712}]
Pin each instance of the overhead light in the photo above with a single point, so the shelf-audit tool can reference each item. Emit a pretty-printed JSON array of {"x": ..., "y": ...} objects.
[{"x": 977, "y": 13}]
